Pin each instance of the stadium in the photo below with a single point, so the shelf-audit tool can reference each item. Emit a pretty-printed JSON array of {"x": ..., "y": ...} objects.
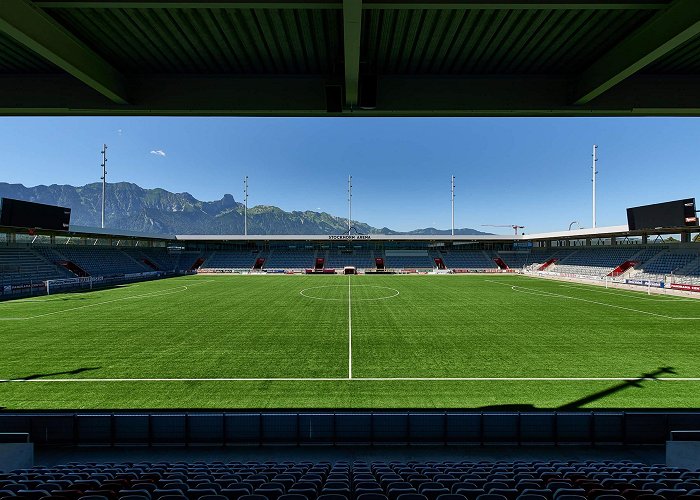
[{"x": 558, "y": 365}]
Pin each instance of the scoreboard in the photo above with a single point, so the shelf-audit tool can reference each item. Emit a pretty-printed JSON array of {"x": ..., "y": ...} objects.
[
  {"x": 679, "y": 213},
  {"x": 26, "y": 214}
]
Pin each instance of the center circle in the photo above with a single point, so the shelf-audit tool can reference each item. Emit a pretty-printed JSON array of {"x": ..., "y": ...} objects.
[{"x": 340, "y": 292}]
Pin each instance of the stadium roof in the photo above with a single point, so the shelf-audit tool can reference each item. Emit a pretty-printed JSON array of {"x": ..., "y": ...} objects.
[
  {"x": 620, "y": 231},
  {"x": 350, "y": 57}
]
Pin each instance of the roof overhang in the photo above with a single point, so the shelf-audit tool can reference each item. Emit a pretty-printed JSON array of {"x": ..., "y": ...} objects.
[
  {"x": 350, "y": 57},
  {"x": 621, "y": 231},
  {"x": 338, "y": 237}
]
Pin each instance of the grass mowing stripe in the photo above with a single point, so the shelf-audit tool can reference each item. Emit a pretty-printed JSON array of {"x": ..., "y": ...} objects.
[
  {"x": 367, "y": 379},
  {"x": 336, "y": 394}
]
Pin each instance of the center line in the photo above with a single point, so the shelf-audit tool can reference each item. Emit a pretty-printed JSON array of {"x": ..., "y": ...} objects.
[{"x": 349, "y": 329}]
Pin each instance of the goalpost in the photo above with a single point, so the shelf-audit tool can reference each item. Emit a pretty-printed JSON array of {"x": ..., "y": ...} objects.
[{"x": 53, "y": 286}]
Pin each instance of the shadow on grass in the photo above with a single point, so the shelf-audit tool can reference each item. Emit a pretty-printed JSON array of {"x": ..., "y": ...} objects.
[
  {"x": 596, "y": 396},
  {"x": 35, "y": 376}
]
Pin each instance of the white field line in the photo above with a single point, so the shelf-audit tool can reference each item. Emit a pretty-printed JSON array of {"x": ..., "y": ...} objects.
[
  {"x": 639, "y": 295},
  {"x": 533, "y": 291},
  {"x": 349, "y": 329},
  {"x": 303, "y": 293},
  {"x": 66, "y": 297},
  {"x": 156, "y": 293},
  {"x": 362, "y": 379}
]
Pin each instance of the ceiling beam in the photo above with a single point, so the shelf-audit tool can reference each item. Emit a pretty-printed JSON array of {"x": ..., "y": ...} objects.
[
  {"x": 36, "y": 30},
  {"x": 190, "y": 4},
  {"x": 352, "y": 31},
  {"x": 664, "y": 32},
  {"x": 368, "y": 4},
  {"x": 519, "y": 4},
  {"x": 177, "y": 95}
]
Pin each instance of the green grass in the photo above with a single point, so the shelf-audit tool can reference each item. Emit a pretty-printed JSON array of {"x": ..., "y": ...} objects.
[{"x": 262, "y": 327}]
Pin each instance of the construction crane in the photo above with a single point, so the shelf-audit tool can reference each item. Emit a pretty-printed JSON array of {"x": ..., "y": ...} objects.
[{"x": 515, "y": 227}]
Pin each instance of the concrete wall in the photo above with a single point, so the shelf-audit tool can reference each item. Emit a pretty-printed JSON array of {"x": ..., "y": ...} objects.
[
  {"x": 683, "y": 454},
  {"x": 16, "y": 456}
]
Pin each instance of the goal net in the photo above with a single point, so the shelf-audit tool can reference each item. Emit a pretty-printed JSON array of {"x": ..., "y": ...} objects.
[{"x": 63, "y": 285}]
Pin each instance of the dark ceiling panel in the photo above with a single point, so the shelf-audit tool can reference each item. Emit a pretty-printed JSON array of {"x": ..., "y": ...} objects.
[
  {"x": 15, "y": 58},
  {"x": 211, "y": 40},
  {"x": 487, "y": 41},
  {"x": 277, "y": 57},
  {"x": 684, "y": 61}
]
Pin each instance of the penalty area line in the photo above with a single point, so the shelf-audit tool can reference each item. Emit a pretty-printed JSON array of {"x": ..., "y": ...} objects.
[
  {"x": 147, "y": 295},
  {"x": 544, "y": 293}
]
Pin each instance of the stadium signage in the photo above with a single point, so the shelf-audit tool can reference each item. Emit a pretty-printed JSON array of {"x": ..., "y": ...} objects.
[
  {"x": 142, "y": 275},
  {"x": 656, "y": 284},
  {"x": 349, "y": 237},
  {"x": 685, "y": 287}
]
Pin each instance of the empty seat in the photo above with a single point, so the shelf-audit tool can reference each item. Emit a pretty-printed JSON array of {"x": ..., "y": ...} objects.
[
  {"x": 470, "y": 493},
  {"x": 490, "y": 496},
  {"x": 569, "y": 491},
  {"x": 134, "y": 492},
  {"x": 158, "y": 493},
  {"x": 509, "y": 493},
  {"x": 671, "y": 494},
  {"x": 31, "y": 494}
]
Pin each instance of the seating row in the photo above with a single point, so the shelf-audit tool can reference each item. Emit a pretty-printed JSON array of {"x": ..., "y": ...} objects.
[{"x": 358, "y": 480}]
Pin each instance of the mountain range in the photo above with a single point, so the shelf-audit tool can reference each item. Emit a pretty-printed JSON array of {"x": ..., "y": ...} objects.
[{"x": 131, "y": 207}]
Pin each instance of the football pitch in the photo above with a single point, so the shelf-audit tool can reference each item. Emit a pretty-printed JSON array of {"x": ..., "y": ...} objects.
[{"x": 478, "y": 341}]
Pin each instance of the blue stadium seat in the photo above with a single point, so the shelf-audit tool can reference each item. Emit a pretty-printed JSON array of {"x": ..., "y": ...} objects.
[{"x": 489, "y": 496}]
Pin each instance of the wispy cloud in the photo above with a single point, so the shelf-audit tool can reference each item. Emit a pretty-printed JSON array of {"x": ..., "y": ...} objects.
[
  {"x": 158, "y": 152},
  {"x": 119, "y": 132}
]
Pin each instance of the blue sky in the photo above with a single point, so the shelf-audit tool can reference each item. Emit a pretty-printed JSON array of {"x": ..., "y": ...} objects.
[{"x": 529, "y": 171}]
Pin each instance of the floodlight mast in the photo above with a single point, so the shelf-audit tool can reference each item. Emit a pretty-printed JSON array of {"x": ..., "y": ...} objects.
[
  {"x": 453, "y": 205},
  {"x": 349, "y": 204},
  {"x": 245, "y": 206},
  {"x": 593, "y": 167},
  {"x": 104, "y": 181}
]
